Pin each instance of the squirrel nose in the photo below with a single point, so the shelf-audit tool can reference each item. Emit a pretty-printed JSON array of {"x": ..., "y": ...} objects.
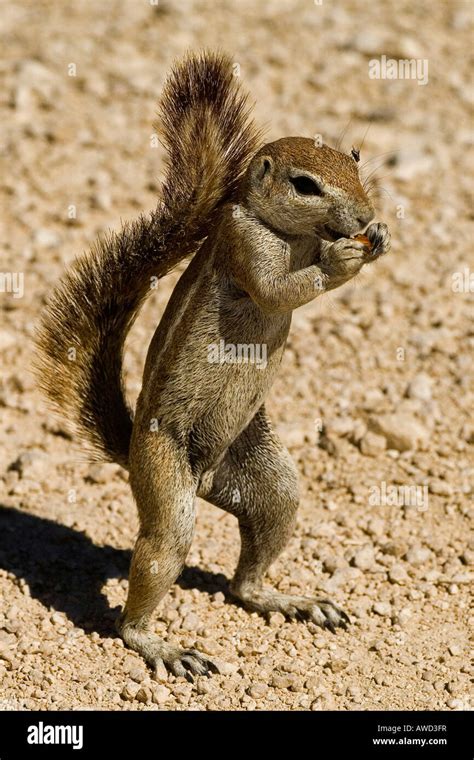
[{"x": 364, "y": 219}]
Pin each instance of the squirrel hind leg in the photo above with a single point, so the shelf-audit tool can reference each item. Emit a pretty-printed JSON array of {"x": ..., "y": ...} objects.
[
  {"x": 264, "y": 498},
  {"x": 164, "y": 490}
]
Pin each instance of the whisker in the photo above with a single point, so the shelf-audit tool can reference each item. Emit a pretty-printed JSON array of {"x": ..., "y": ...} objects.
[
  {"x": 384, "y": 190},
  {"x": 385, "y": 176},
  {"x": 376, "y": 188},
  {"x": 344, "y": 132},
  {"x": 365, "y": 135},
  {"x": 369, "y": 176},
  {"x": 379, "y": 155}
]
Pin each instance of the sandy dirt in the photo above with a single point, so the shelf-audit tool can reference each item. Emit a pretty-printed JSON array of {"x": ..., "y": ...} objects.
[{"x": 374, "y": 398}]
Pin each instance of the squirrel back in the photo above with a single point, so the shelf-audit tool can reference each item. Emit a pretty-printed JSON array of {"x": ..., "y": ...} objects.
[{"x": 205, "y": 126}]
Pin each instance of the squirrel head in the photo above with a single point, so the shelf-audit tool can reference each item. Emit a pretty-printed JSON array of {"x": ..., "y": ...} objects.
[{"x": 301, "y": 189}]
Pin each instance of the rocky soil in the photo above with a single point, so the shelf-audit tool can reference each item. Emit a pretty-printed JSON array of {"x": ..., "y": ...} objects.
[{"x": 374, "y": 399}]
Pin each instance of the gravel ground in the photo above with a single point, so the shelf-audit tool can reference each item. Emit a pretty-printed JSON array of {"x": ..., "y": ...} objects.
[{"x": 373, "y": 400}]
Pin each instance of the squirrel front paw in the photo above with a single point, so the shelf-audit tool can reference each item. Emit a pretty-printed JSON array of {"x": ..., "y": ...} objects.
[
  {"x": 342, "y": 260},
  {"x": 379, "y": 236}
]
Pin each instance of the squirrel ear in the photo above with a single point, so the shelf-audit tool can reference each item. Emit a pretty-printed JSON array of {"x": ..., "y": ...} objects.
[{"x": 263, "y": 168}]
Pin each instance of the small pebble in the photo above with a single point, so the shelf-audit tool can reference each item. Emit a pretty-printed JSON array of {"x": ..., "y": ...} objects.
[{"x": 382, "y": 608}]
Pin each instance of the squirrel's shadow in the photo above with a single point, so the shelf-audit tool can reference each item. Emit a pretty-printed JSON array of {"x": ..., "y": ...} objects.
[{"x": 65, "y": 570}]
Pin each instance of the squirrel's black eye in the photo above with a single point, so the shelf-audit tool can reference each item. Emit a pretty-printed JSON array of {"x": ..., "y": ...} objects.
[{"x": 305, "y": 186}]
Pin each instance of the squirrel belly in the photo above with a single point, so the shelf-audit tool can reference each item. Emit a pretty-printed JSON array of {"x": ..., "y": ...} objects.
[{"x": 210, "y": 329}]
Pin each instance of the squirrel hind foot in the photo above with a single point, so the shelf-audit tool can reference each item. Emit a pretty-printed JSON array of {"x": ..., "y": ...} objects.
[
  {"x": 321, "y": 612},
  {"x": 186, "y": 663}
]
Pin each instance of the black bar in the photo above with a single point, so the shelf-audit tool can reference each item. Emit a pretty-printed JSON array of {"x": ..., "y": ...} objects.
[{"x": 154, "y": 733}]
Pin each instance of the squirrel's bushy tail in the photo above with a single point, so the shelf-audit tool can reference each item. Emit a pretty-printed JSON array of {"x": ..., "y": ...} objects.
[{"x": 204, "y": 124}]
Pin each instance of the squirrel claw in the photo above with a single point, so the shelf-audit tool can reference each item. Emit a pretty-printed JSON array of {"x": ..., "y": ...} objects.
[
  {"x": 192, "y": 663},
  {"x": 185, "y": 663},
  {"x": 330, "y": 626}
]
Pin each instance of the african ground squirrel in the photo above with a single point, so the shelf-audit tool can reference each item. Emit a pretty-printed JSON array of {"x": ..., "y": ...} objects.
[{"x": 269, "y": 229}]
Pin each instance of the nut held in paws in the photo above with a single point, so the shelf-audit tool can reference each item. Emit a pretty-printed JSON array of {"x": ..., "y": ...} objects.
[{"x": 365, "y": 240}]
